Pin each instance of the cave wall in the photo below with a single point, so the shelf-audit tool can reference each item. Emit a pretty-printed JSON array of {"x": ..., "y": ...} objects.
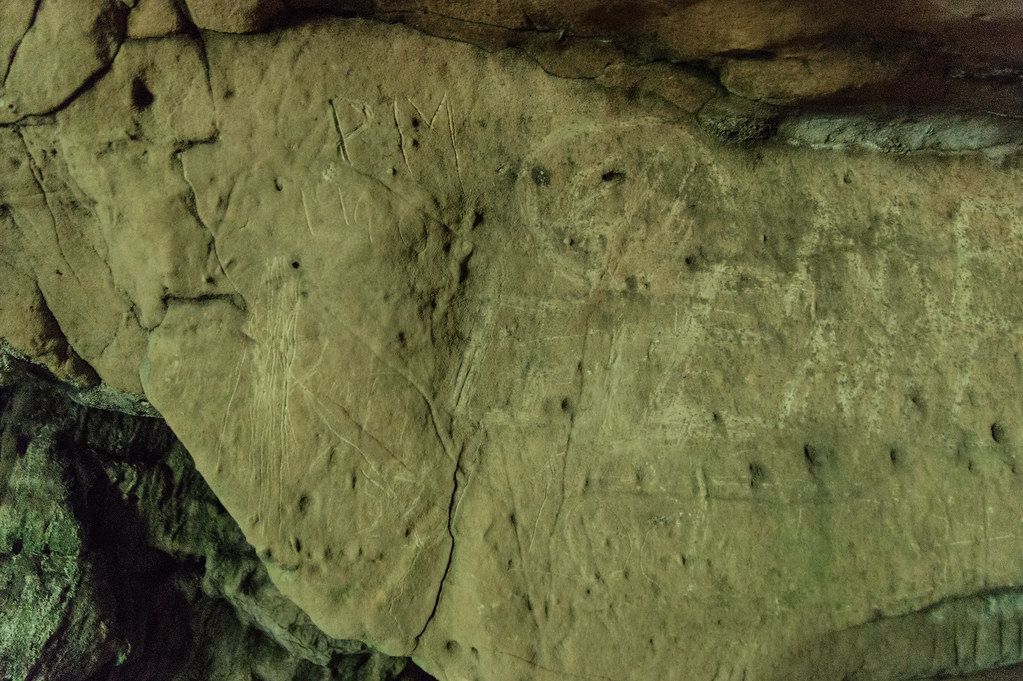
[
  {"x": 118, "y": 563},
  {"x": 536, "y": 340}
]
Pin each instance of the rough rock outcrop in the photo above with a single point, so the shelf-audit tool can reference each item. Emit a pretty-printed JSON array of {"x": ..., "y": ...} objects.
[
  {"x": 937, "y": 53},
  {"x": 502, "y": 359},
  {"x": 116, "y": 561}
]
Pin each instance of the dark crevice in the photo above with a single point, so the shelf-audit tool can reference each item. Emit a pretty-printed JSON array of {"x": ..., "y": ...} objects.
[
  {"x": 191, "y": 203},
  {"x": 233, "y": 298},
  {"x": 120, "y": 15},
  {"x": 452, "y": 503},
  {"x": 17, "y": 43}
]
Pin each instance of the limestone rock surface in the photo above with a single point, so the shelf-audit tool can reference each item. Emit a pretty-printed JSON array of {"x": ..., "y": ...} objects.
[
  {"x": 941, "y": 53},
  {"x": 529, "y": 375},
  {"x": 116, "y": 561}
]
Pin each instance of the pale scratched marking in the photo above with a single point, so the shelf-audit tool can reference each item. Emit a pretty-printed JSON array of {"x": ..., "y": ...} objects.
[
  {"x": 275, "y": 356},
  {"x": 305, "y": 210},
  {"x": 344, "y": 208},
  {"x": 326, "y": 422},
  {"x": 436, "y": 112},
  {"x": 580, "y": 393},
  {"x": 518, "y": 539},
  {"x": 401, "y": 136},
  {"x": 367, "y": 112},
  {"x": 686, "y": 343},
  {"x": 288, "y": 321},
  {"x": 362, "y": 429},
  {"x": 263, "y": 448},
  {"x": 405, "y": 581},
  {"x": 557, "y": 673},
  {"x": 413, "y": 105},
  {"x": 361, "y": 207},
  {"x": 369, "y": 223},
  {"x": 962, "y": 311},
  {"x": 37, "y": 175},
  {"x": 445, "y": 441},
  {"x": 539, "y": 513},
  {"x": 370, "y": 394},
  {"x": 984, "y": 522},
  {"x": 342, "y": 145},
  {"x": 454, "y": 145},
  {"x": 818, "y": 346},
  {"x": 465, "y": 371},
  {"x": 227, "y": 414}
]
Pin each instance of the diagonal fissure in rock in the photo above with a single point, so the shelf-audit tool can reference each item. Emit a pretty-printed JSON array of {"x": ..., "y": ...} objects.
[{"x": 452, "y": 505}]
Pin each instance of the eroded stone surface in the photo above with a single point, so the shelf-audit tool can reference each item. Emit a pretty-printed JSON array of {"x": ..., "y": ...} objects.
[
  {"x": 963, "y": 55},
  {"x": 116, "y": 561},
  {"x": 597, "y": 393},
  {"x": 38, "y": 78}
]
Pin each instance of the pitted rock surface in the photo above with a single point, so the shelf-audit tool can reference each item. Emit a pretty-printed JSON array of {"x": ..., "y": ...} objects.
[{"x": 531, "y": 376}]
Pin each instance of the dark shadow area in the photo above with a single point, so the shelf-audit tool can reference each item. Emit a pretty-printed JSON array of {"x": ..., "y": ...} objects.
[{"x": 117, "y": 563}]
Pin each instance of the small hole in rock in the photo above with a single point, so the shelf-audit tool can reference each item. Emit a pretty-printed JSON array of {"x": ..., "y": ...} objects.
[
  {"x": 757, "y": 475},
  {"x": 141, "y": 96},
  {"x": 541, "y": 176},
  {"x": 998, "y": 432},
  {"x": 295, "y": 264},
  {"x": 812, "y": 456}
]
